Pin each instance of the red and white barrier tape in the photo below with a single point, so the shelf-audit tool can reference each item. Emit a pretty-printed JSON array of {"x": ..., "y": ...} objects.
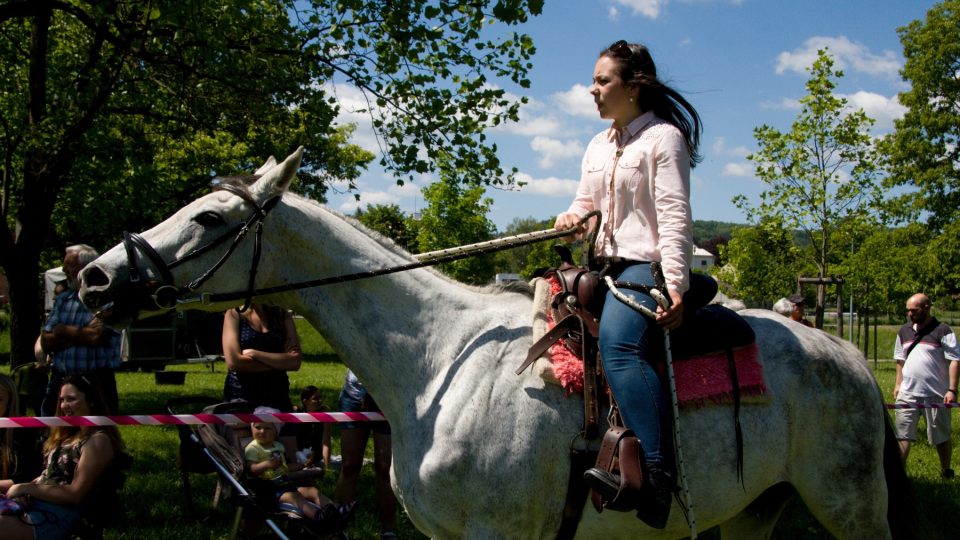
[
  {"x": 185, "y": 419},
  {"x": 202, "y": 418},
  {"x": 921, "y": 406}
]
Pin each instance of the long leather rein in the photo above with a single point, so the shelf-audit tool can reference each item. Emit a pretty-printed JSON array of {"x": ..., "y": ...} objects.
[{"x": 168, "y": 295}]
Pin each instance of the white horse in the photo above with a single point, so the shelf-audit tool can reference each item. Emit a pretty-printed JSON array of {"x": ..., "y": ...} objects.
[{"x": 479, "y": 452}]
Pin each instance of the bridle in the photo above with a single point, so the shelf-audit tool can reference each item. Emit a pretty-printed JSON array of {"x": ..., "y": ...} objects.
[{"x": 167, "y": 294}]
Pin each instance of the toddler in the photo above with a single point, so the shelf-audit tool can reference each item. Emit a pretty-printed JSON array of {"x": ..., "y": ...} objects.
[{"x": 265, "y": 457}]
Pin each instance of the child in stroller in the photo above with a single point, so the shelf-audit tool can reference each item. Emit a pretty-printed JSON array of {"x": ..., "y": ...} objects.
[{"x": 265, "y": 460}]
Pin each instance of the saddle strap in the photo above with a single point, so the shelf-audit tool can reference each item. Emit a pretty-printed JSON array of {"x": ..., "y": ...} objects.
[
  {"x": 591, "y": 388},
  {"x": 537, "y": 349},
  {"x": 577, "y": 491},
  {"x": 738, "y": 432}
]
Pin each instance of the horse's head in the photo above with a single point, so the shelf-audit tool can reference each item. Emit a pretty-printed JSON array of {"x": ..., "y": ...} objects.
[{"x": 212, "y": 243}]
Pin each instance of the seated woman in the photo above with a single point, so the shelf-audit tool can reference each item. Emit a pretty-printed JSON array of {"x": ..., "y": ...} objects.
[
  {"x": 75, "y": 460},
  {"x": 19, "y": 448}
]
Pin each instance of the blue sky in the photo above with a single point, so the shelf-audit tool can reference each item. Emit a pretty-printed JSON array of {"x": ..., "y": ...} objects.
[{"x": 740, "y": 62}]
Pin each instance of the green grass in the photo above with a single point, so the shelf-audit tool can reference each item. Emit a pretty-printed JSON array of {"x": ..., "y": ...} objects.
[
  {"x": 154, "y": 509},
  {"x": 154, "y": 480}
]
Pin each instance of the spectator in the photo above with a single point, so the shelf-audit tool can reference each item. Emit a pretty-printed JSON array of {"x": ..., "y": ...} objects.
[
  {"x": 927, "y": 371},
  {"x": 79, "y": 342},
  {"x": 260, "y": 346},
  {"x": 76, "y": 458},
  {"x": 314, "y": 437},
  {"x": 797, "y": 312},
  {"x": 784, "y": 307},
  {"x": 265, "y": 460},
  {"x": 353, "y": 443},
  {"x": 19, "y": 447}
]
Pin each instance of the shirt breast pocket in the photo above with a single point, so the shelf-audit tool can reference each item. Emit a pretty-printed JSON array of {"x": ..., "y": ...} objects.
[
  {"x": 630, "y": 172},
  {"x": 593, "y": 172}
]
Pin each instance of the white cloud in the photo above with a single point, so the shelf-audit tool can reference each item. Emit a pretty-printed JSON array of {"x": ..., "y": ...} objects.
[
  {"x": 737, "y": 169},
  {"x": 531, "y": 121},
  {"x": 720, "y": 148},
  {"x": 787, "y": 104},
  {"x": 652, "y": 8},
  {"x": 576, "y": 101},
  {"x": 847, "y": 55},
  {"x": 881, "y": 108},
  {"x": 549, "y": 187},
  {"x": 552, "y": 151},
  {"x": 367, "y": 189},
  {"x": 613, "y": 13},
  {"x": 353, "y": 107},
  {"x": 647, "y": 8}
]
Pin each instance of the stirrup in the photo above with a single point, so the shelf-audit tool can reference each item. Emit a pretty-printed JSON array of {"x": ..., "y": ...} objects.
[
  {"x": 617, "y": 480},
  {"x": 608, "y": 486}
]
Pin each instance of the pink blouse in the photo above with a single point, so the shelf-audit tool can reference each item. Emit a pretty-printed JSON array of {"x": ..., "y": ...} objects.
[{"x": 641, "y": 185}]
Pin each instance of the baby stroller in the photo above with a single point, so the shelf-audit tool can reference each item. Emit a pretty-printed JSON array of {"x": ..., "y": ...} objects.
[{"x": 221, "y": 447}]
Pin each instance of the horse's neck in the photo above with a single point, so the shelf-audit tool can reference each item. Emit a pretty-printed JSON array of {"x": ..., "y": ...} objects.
[{"x": 398, "y": 327}]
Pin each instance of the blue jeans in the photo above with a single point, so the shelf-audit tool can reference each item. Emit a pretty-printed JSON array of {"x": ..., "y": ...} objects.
[{"x": 625, "y": 339}]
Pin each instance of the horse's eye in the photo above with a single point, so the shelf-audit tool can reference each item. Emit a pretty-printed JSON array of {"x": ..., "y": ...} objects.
[{"x": 208, "y": 219}]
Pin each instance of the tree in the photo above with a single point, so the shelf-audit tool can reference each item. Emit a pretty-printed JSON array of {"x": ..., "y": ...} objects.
[
  {"x": 115, "y": 113},
  {"x": 822, "y": 174},
  {"x": 888, "y": 265},
  {"x": 456, "y": 215},
  {"x": 526, "y": 260},
  {"x": 924, "y": 149},
  {"x": 760, "y": 263},
  {"x": 390, "y": 221}
]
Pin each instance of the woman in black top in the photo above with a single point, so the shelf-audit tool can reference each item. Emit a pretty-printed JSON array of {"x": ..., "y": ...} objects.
[{"x": 260, "y": 346}]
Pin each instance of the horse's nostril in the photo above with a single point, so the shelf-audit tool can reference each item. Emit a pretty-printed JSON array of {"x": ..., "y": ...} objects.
[{"x": 94, "y": 277}]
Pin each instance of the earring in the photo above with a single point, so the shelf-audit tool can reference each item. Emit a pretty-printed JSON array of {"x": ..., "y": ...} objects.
[{"x": 631, "y": 100}]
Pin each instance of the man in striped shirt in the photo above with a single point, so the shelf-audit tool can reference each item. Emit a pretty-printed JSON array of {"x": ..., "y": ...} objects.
[{"x": 927, "y": 371}]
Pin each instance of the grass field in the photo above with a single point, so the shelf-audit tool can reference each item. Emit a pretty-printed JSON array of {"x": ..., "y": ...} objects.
[{"x": 154, "y": 503}]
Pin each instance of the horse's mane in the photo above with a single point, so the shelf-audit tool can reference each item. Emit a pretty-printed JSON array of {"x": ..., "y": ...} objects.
[
  {"x": 388, "y": 243},
  {"x": 243, "y": 181}
]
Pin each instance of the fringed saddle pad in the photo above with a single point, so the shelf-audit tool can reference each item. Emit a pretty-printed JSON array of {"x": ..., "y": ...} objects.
[
  {"x": 706, "y": 378},
  {"x": 702, "y": 376}
]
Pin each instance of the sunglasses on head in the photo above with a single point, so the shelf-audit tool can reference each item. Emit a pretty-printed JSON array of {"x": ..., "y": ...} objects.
[{"x": 621, "y": 48}]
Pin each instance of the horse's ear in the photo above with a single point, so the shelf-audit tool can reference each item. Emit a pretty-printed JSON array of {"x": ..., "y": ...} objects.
[
  {"x": 277, "y": 178},
  {"x": 267, "y": 165}
]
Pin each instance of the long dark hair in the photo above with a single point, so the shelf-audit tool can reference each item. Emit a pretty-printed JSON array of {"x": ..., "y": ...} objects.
[
  {"x": 637, "y": 69},
  {"x": 273, "y": 317}
]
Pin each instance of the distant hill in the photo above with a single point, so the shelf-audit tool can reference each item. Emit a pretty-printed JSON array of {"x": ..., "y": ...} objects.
[{"x": 709, "y": 234}]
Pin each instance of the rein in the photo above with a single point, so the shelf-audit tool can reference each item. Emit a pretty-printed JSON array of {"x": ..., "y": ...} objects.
[{"x": 168, "y": 296}]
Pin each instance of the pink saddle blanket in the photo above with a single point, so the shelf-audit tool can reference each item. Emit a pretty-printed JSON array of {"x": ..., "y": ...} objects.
[{"x": 701, "y": 379}]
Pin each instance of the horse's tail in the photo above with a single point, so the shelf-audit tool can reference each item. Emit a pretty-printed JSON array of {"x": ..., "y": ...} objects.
[{"x": 902, "y": 514}]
